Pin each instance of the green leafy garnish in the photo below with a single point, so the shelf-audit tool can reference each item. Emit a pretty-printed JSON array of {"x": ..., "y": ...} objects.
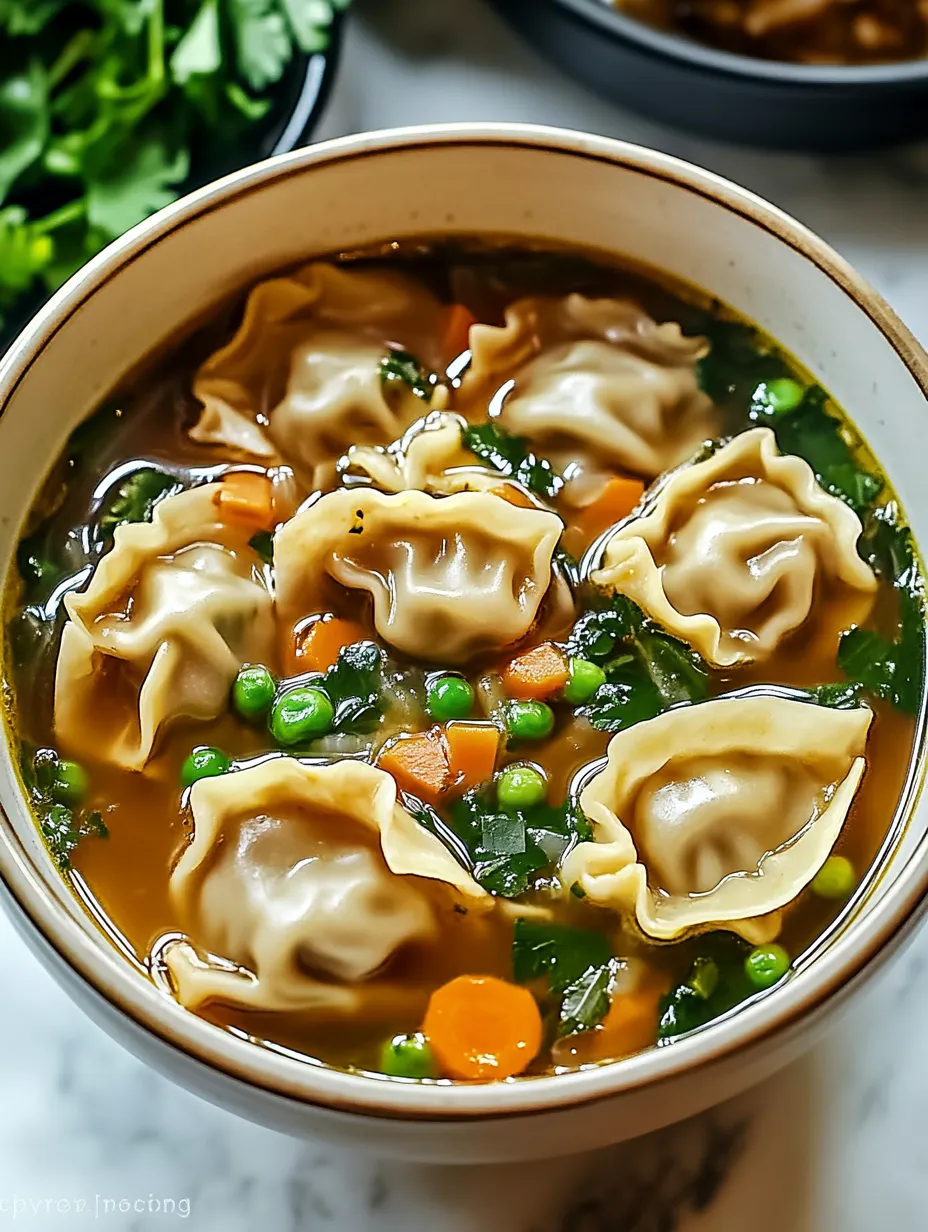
[
  {"x": 646, "y": 669},
  {"x": 62, "y": 827},
  {"x": 739, "y": 360},
  {"x": 715, "y": 983},
  {"x": 577, "y": 965},
  {"x": 511, "y": 456},
  {"x": 506, "y": 849},
  {"x": 107, "y": 107},
  {"x": 134, "y": 499},
  {"x": 401, "y": 367},
  {"x": 262, "y": 541},
  {"x": 811, "y": 433},
  {"x": 891, "y": 669},
  {"x": 354, "y": 687},
  {"x": 840, "y": 696}
]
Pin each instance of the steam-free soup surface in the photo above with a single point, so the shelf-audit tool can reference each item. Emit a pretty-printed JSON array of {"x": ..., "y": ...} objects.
[{"x": 478, "y": 663}]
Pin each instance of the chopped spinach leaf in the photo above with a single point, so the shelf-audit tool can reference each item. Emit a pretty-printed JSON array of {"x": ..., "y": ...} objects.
[
  {"x": 556, "y": 952},
  {"x": 586, "y": 1001},
  {"x": 134, "y": 499},
  {"x": 886, "y": 545},
  {"x": 505, "y": 849},
  {"x": 839, "y": 696},
  {"x": 262, "y": 542},
  {"x": 716, "y": 982},
  {"x": 403, "y": 367},
  {"x": 62, "y": 828},
  {"x": 577, "y": 964},
  {"x": 511, "y": 456},
  {"x": 738, "y": 361},
  {"x": 892, "y": 670},
  {"x": 354, "y": 685},
  {"x": 811, "y": 433},
  {"x": 646, "y": 669}
]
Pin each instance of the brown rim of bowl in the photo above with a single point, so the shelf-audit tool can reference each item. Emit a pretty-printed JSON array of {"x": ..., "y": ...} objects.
[
  {"x": 670, "y": 44},
  {"x": 108, "y": 973}
]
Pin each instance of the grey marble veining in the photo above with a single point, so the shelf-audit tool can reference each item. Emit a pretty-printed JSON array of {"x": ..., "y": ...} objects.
[{"x": 835, "y": 1144}]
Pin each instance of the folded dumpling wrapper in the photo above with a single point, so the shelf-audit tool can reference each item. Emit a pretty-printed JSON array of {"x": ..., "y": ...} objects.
[
  {"x": 301, "y": 882},
  {"x": 450, "y": 577},
  {"x": 171, "y": 613},
  {"x": 732, "y": 552},
  {"x": 301, "y": 378},
  {"x": 596, "y": 382},
  {"x": 429, "y": 457},
  {"x": 718, "y": 814}
]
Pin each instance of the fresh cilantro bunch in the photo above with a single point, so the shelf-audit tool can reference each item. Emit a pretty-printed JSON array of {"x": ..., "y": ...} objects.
[{"x": 108, "y": 108}]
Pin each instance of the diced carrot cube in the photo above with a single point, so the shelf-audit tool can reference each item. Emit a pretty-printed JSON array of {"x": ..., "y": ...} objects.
[
  {"x": 472, "y": 750},
  {"x": 247, "y": 497},
  {"x": 316, "y": 649},
  {"x": 538, "y": 673},
  {"x": 419, "y": 763}
]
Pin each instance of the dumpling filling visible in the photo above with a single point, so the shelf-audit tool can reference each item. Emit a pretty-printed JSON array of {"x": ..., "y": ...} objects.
[{"x": 466, "y": 663}]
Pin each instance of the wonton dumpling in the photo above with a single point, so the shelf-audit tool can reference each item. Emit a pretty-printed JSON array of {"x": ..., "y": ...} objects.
[
  {"x": 304, "y": 881},
  {"x": 170, "y": 615},
  {"x": 719, "y": 813},
  {"x": 301, "y": 378},
  {"x": 430, "y": 457},
  {"x": 734, "y": 550},
  {"x": 450, "y": 577},
  {"x": 596, "y": 382}
]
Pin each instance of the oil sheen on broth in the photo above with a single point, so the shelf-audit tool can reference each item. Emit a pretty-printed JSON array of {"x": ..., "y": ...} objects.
[{"x": 563, "y": 504}]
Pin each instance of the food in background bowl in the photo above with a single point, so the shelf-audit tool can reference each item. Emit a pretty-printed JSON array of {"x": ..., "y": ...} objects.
[
  {"x": 806, "y": 31},
  {"x": 473, "y": 662}
]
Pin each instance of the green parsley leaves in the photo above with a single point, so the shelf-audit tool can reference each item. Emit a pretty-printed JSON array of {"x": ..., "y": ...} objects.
[
  {"x": 109, "y": 106},
  {"x": 576, "y": 964},
  {"x": 511, "y": 456},
  {"x": 646, "y": 669}
]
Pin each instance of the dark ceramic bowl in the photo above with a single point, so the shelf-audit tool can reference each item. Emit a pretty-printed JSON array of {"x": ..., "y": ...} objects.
[{"x": 718, "y": 94}]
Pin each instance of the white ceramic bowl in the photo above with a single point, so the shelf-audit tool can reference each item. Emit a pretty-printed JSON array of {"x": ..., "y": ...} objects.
[{"x": 492, "y": 179}]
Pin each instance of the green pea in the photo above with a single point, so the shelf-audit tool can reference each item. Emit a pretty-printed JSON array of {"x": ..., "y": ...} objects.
[
  {"x": 835, "y": 879},
  {"x": 449, "y": 697},
  {"x": 766, "y": 965},
  {"x": 583, "y": 680},
  {"x": 71, "y": 783},
  {"x": 204, "y": 763},
  {"x": 529, "y": 720},
  {"x": 253, "y": 691},
  {"x": 408, "y": 1056},
  {"x": 301, "y": 714},
  {"x": 520, "y": 787},
  {"x": 783, "y": 395}
]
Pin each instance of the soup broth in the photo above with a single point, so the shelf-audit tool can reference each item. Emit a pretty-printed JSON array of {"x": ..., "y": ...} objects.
[{"x": 353, "y": 774}]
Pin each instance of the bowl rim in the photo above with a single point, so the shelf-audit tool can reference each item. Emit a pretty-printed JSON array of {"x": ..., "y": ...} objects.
[
  {"x": 106, "y": 973},
  {"x": 615, "y": 24}
]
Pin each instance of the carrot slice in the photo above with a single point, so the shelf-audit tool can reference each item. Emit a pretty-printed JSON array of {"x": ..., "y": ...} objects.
[
  {"x": 457, "y": 331},
  {"x": 616, "y": 501},
  {"x": 419, "y": 763},
  {"x": 316, "y": 649},
  {"x": 247, "y": 497},
  {"x": 472, "y": 749},
  {"x": 481, "y": 1028},
  {"x": 538, "y": 673}
]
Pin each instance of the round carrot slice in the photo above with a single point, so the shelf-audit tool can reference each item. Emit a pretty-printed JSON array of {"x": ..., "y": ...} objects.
[{"x": 481, "y": 1028}]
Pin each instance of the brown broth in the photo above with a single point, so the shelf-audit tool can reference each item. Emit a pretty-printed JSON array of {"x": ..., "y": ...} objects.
[{"x": 127, "y": 873}]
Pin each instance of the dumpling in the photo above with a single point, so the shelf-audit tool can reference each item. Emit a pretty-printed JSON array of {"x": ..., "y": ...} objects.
[
  {"x": 596, "y": 382},
  {"x": 170, "y": 615},
  {"x": 301, "y": 882},
  {"x": 301, "y": 378},
  {"x": 718, "y": 814},
  {"x": 450, "y": 577},
  {"x": 429, "y": 457},
  {"x": 734, "y": 550}
]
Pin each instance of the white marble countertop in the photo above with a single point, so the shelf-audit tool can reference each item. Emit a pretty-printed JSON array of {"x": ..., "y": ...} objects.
[{"x": 836, "y": 1144}]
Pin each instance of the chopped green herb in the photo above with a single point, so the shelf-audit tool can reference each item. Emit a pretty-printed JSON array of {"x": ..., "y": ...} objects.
[
  {"x": 134, "y": 500},
  {"x": 892, "y": 670},
  {"x": 886, "y": 545},
  {"x": 511, "y": 456},
  {"x": 586, "y": 1001},
  {"x": 55, "y": 789},
  {"x": 262, "y": 542},
  {"x": 646, "y": 669},
  {"x": 577, "y": 964},
  {"x": 716, "y": 981},
  {"x": 402, "y": 367},
  {"x": 811, "y": 433},
  {"x": 354, "y": 685},
  {"x": 739, "y": 360}
]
